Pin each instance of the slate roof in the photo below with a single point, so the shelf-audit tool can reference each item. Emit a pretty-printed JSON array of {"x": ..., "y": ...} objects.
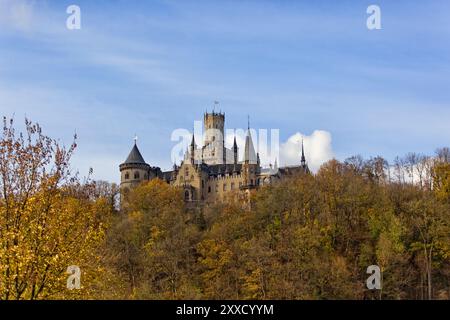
[
  {"x": 135, "y": 156},
  {"x": 216, "y": 169}
]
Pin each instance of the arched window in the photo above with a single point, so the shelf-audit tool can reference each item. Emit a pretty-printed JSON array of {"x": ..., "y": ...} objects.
[
  {"x": 136, "y": 175},
  {"x": 127, "y": 176}
]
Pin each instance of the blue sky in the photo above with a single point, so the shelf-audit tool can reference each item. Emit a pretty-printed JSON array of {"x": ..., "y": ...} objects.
[{"x": 300, "y": 66}]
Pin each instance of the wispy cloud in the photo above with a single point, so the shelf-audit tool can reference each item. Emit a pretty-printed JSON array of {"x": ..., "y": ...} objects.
[{"x": 150, "y": 67}]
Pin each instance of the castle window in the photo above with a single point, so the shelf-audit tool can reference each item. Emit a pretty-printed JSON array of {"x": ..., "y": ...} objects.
[
  {"x": 127, "y": 176},
  {"x": 214, "y": 138},
  {"x": 136, "y": 175},
  {"x": 209, "y": 189},
  {"x": 186, "y": 195},
  {"x": 217, "y": 187},
  {"x": 251, "y": 182}
]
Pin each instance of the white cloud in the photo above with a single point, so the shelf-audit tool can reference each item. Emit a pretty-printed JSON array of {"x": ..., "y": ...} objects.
[{"x": 317, "y": 147}]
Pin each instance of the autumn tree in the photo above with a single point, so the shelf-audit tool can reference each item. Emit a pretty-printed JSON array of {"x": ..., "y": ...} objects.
[
  {"x": 47, "y": 220},
  {"x": 153, "y": 242}
]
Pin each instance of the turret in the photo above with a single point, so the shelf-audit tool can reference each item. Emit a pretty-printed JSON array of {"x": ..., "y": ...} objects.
[
  {"x": 303, "y": 163},
  {"x": 193, "y": 147},
  {"x": 134, "y": 170},
  {"x": 249, "y": 151},
  {"x": 250, "y": 163},
  {"x": 235, "y": 151},
  {"x": 303, "y": 159}
]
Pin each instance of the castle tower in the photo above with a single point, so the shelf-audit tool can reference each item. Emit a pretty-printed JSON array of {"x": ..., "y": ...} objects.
[
  {"x": 250, "y": 163},
  {"x": 214, "y": 136},
  {"x": 214, "y": 127},
  {"x": 134, "y": 170}
]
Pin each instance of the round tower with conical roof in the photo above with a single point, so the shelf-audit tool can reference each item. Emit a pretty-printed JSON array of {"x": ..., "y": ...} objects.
[{"x": 134, "y": 170}]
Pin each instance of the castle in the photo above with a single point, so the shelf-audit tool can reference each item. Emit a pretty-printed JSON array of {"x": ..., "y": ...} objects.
[{"x": 212, "y": 172}]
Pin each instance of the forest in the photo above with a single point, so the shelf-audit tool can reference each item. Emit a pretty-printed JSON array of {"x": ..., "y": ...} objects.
[{"x": 309, "y": 237}]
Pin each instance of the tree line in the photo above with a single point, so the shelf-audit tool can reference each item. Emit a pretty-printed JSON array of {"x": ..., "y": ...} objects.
[{"x": 309, "y": 236}]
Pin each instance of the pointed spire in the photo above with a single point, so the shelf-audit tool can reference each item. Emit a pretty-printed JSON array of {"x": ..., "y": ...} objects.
[
  {"x": 192, "y": 153},
  {"x": 193, "y": 140},
  {"x": 303, "y": 159},
  {"x": 249, "y": 151},
  {"x": 235, "y": 149}
]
